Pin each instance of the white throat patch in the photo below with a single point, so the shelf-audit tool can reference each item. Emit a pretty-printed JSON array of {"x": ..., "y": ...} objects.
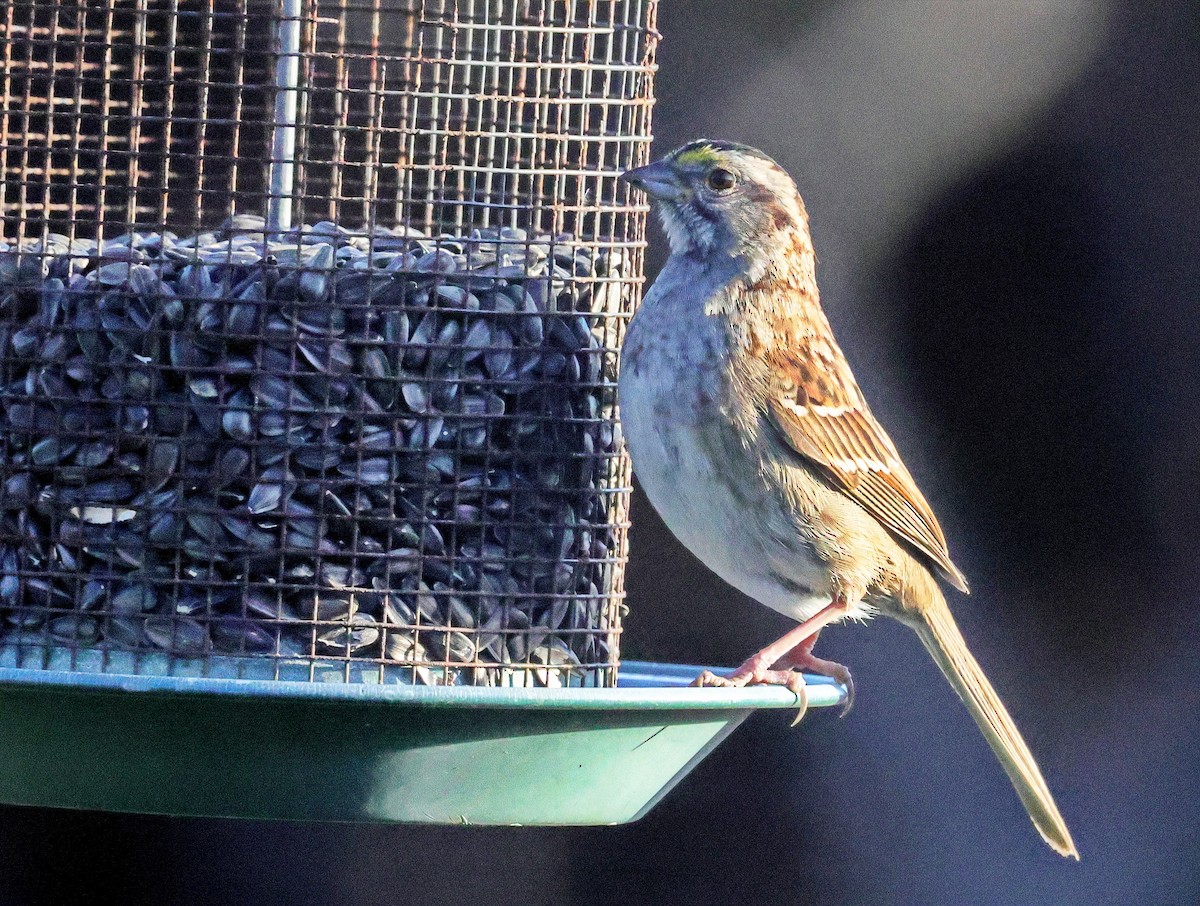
[{"x": 685, "y": 233}]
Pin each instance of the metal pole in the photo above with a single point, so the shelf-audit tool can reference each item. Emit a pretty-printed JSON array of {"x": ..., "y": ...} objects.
[{"x": 283, "y": 143}]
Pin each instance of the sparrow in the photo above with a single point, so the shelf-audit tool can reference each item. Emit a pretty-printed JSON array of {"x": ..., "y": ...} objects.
[{"x": 750, "y": 436}]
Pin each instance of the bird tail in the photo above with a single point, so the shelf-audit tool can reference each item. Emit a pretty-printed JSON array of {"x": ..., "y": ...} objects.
[{"x": 942, "y": 639}]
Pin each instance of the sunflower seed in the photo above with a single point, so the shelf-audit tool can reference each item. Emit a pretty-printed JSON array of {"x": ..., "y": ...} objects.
[
  {"x": 268, "y": 494},
  {"x": 182, "y": 636},
  {"x": 498, "y": 357},
  {"x": 133, "y": 599},
  {"x": 74, "y": 629},
  {"x": 239, "y": 635},
  {"x": 437, "y": 399}
]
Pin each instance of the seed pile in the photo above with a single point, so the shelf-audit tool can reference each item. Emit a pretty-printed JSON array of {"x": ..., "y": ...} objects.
[{"x": 332, "y": 445}]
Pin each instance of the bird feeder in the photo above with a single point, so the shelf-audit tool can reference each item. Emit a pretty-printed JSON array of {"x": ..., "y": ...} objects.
[{"x": 310, "y": 476}]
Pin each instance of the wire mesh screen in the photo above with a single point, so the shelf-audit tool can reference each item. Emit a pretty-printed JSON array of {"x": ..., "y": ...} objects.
[{"x": 309, "y": 320}]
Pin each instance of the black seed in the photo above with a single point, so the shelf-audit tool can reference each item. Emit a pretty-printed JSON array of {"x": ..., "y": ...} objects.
[
  {"x": 449, "y": 392},
  {"x": 178, "y": 635}
]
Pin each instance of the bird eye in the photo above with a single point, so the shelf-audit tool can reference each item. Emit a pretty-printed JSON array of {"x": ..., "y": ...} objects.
[{"x": 720, "y": 180}]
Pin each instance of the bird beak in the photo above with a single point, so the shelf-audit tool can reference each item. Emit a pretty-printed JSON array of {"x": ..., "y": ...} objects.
[{"x": 658, "y": 180}]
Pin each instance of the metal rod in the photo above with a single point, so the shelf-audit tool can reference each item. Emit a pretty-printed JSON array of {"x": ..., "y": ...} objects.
[{"x": 283, "y": 143}]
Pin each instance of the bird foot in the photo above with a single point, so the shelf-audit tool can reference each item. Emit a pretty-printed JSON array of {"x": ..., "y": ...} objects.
[
  {"x": 840, "y": 673},
  {"x": 753, "y": 673}
]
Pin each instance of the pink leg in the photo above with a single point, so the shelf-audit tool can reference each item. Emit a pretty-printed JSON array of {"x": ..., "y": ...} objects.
[
  {"x": 802, "y": 658},
  {"x": 756, "y": 670}
]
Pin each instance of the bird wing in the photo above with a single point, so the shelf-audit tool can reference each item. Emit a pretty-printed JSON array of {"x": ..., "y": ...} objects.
[{"x": 817, "y": 406}]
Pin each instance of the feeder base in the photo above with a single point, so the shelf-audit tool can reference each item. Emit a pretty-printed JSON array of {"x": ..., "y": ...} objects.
[{"x": 352, "y": 752}]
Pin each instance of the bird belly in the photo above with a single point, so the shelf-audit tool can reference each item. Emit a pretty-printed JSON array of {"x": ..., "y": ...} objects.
[{"x": 721, "y": 510}]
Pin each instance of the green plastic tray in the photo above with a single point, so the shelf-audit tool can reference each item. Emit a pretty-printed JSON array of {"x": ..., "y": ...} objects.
[{"x": 356, "y": 752}]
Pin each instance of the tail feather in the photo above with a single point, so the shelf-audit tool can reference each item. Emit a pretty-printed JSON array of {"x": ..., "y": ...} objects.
[{"x": 945, "y": 643}]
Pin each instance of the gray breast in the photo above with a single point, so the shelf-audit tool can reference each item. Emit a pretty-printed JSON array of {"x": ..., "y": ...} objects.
[{"x": 695, "y": 466}]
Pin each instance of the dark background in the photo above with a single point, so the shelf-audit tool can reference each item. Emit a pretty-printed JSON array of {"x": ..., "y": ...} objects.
[{"x": 1005, "y": 203}]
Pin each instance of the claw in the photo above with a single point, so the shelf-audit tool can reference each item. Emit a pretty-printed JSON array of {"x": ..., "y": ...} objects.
[
  {"x": 792, "y": 680},
  {"x": 802, "y": 658},
  {"x": 708, "y": 678},
  {"x": 800, "y": 689},
  {"x": 750, "y": 673},
  {"x": 843, "y": 676}
]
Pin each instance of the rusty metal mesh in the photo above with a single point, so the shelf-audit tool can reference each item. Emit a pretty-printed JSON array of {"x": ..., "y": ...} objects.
[{"x": 309, "y": 321}]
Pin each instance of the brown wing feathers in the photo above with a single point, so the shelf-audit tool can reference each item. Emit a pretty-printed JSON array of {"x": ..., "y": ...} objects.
[{"x": 826, "y": 420}]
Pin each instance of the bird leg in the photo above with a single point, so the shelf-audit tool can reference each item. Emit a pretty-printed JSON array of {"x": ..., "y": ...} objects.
[
  {"x": 756, "y": 669},
  {"x": 802, "y": 658}
]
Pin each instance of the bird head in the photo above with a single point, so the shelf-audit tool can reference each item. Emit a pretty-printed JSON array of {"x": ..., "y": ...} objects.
[{"x": 720, "y": 198}]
